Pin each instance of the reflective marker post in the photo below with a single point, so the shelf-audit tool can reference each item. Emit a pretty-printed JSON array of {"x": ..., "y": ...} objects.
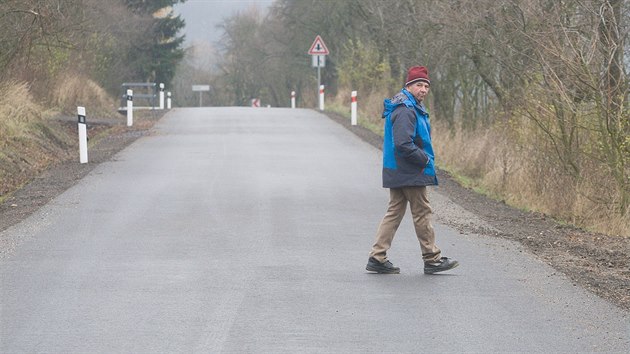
[
  {"x": 292, "y": 99},
  {"x": 83, "y": 152},
  {"x": 321, "y": 97},
  {"x": 161, "y": 96},
  {"x": 129, "y": 108},
  {"x": 353, "y": 108},
  {"x": 168, "y": 100}
]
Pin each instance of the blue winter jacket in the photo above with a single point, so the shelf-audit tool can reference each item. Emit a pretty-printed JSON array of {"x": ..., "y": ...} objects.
[{"x": 408, "y": 158}]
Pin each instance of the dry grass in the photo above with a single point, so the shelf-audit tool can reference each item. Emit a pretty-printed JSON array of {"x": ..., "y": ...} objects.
[
  {"x": 29, "y": 143},
  {"x": 74, "y": 90},
  {"x": 510, "y": 162},
  {"x": 16, "y": 109},
  {"x": 497, "y": 163}
]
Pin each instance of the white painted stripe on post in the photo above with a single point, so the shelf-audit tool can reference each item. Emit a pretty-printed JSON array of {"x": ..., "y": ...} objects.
[
  {"x": 82, "y": 124},
  {"x": 129, "y": 108},
  {"x": 353, "y": 108}
]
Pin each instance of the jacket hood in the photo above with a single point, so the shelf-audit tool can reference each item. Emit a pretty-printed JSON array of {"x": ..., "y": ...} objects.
[{"x": 390, "y": 104}]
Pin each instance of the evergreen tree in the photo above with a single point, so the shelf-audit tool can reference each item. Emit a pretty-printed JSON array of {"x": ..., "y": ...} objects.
[{"x": 155, "y": 58}]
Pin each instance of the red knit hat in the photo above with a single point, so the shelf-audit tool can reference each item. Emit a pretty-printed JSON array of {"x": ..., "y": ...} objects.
[{"x": 417, "y": 73}]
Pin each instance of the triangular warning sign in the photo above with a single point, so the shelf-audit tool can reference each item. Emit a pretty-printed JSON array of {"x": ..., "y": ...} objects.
[{"x": 318, "y": 47}]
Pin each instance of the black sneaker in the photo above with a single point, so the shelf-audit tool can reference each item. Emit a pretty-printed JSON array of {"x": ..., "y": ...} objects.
[
  {"x": 440, "y": 266},
  {"x": 385, "y": 268}
]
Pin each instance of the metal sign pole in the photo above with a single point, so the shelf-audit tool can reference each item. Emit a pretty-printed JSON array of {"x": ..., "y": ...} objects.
[{"x": 318, "y": 74}]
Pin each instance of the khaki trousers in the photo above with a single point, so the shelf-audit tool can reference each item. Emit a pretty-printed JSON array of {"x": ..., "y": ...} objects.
[{"x": 421, "y": 212}]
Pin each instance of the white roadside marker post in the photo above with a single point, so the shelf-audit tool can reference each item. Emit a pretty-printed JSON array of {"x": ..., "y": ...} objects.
[
  {"x": 168, "y": 100},
  {"x": 83, "y": 147},
  {"x": 292, "y": 99},
  {"x": 321, "y": 97},
  {"x": 353, "y": 108},
  {"x": 161, "y": 96},
  {"x": 129, "y": 108}
]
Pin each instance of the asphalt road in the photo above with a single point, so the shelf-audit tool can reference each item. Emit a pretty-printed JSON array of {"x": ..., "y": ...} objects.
[{"x": 242, "y": 230}]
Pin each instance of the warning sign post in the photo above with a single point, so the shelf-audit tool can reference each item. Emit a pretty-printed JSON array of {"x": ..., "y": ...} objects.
[{"x": 319, "y": 51}]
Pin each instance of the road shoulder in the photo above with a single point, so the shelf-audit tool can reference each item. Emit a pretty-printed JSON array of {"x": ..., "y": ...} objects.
[{"x": 597, "y": 262}]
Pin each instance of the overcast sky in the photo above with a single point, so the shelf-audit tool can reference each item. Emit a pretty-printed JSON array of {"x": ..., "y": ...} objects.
[{"x": 202, "y": 16}]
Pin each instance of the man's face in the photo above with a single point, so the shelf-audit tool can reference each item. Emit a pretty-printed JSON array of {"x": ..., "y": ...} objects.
[{"x": 419, "y": 90}]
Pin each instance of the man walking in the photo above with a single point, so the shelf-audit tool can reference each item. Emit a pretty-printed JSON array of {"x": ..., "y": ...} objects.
[{"x": 408, "y": 168}]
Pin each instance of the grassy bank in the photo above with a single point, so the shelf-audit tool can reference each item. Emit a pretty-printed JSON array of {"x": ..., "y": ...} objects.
[
  {"x": 34, "y": 136},
  {"x": 29, "y": 142}
]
